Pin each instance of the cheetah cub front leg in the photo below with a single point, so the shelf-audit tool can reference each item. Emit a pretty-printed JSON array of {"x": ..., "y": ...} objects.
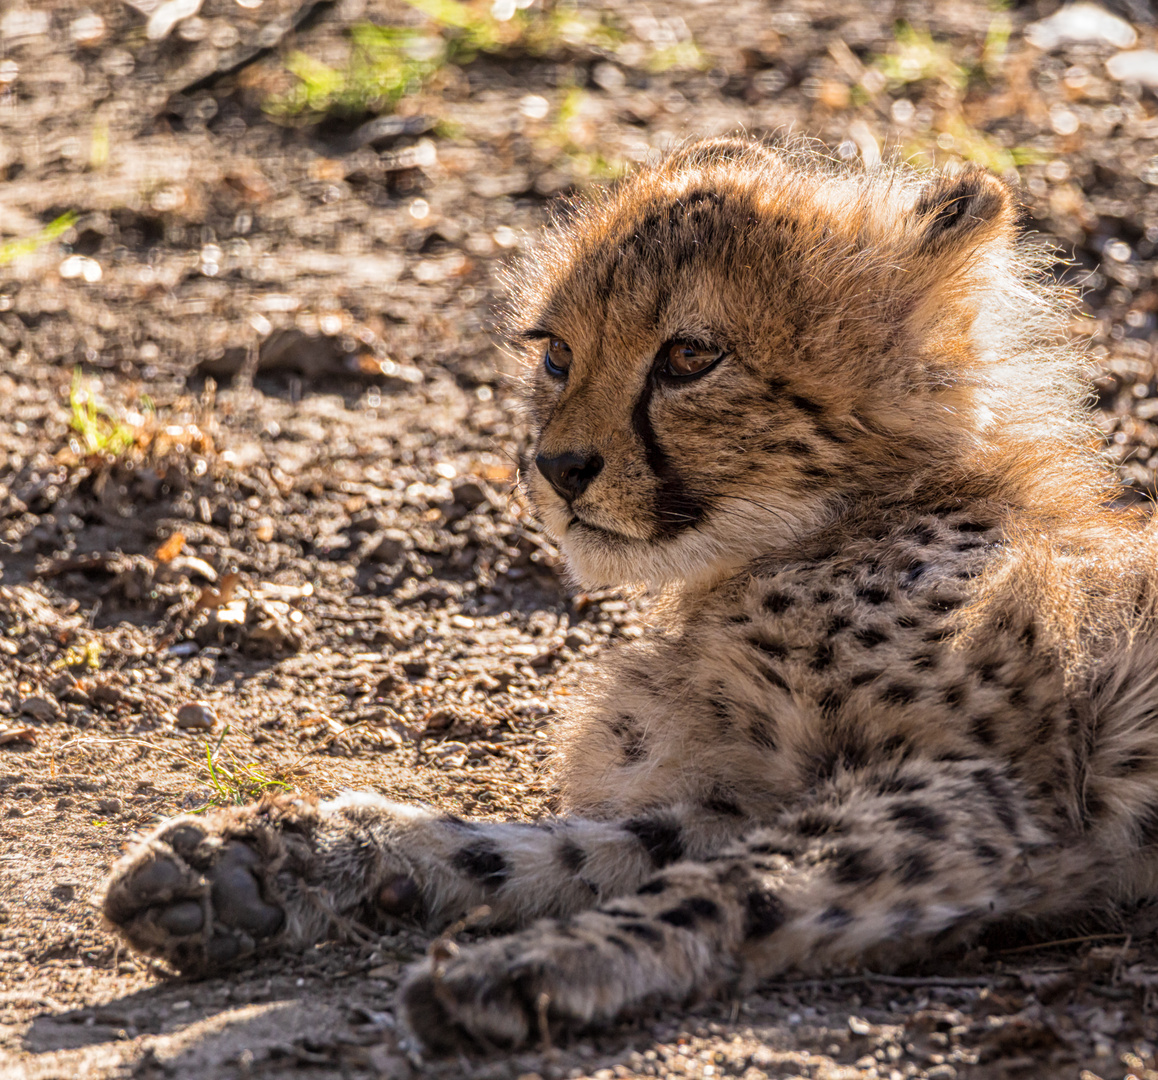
[
  {"x": 201, "y": 892},
  {"x": 888, "y": 857}
]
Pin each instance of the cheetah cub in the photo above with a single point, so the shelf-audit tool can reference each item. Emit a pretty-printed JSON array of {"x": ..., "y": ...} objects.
[{"x": 907, "y": 681}]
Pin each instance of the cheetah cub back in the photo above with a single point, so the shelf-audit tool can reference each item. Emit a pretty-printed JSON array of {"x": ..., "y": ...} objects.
[{"x": 904, "y": 683}]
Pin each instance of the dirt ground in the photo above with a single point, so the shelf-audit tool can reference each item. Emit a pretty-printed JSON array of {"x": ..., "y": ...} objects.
[{"x": 258, "y": 446}]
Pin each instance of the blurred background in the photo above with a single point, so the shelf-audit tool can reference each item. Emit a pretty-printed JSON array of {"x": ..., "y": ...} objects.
[{"x": 258, "y": 441}]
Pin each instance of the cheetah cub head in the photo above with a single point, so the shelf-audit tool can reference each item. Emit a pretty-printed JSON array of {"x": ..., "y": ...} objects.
[{"x": 736, "y": 343}]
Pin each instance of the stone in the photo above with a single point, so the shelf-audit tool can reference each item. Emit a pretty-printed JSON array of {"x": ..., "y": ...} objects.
[
  {"x": 469, "y": 494},
  {"x": 388, "y": 546},
  {"x": 40, "y": 708},
  {"x": 196, "y": 716},
  {"x": 1139, "y": 66},
  {"x": 576, "y": 638},
  {"x": 1081, "y": 23}
]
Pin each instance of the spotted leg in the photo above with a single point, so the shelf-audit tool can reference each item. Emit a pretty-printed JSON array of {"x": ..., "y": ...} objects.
[
  {"x": 896, "y": 858},
  {"x": 202, "y": 891}
]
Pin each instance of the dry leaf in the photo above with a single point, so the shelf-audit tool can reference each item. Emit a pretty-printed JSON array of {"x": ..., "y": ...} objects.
[
  {"x": 11, "y": 735},
  {"x": 219, "y": 597},
  {"x": 170, "y": 549}
]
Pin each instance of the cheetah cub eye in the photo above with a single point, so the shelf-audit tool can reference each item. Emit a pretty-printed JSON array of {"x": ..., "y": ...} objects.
[
  {"x": 687, "y": 359},
  {"x": 557, "y": 358}
]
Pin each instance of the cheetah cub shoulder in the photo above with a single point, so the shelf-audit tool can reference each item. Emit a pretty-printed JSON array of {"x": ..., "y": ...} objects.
[{"x": 908, "y": 678}]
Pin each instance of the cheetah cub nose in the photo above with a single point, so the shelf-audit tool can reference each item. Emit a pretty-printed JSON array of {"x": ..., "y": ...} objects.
[{"x": 570, "y": 474}]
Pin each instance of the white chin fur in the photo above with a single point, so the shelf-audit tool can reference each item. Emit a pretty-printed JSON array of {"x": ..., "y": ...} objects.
[{"x": 717, "y": 548}]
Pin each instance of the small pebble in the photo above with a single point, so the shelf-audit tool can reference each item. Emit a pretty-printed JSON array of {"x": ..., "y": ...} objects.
[
  {"x": 87, "y": 30},
  {"x": 196, "y": 716},
  {"x": 469, "y": 494},
  {"x": 1080, "y": 23},
  {"x": 1139, "y": 66},
  {"x": 388, "y": 546},
  {"x": 39, "y": 708},
  {"x": 109, "y": 806},
  {"x": 577, "y": 638},
  {"x": 859, "y": 1026},
  {"x": 447, "y": 749}
]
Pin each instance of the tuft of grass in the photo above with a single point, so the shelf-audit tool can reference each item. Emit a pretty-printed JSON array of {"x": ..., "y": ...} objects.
[
  {"x": 959, "y": 140},
  {"x": 683, "y": 56},
  {"x": 14, "y": 249},
  {"x": 98, "y": 155},
  {"x": 996, "y": 44},
  {"x": 83, "y": 657},
  {"x": 238, "y": 782},
  {"x": 104, "y": 433},
  {"x": 385, "y": 63},
  {"x": 583, "y": 163},
  {"x": 917, "y": 57}
]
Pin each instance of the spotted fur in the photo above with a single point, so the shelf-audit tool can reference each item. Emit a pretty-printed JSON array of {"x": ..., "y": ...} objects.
[{"x": 904, "y": 677}]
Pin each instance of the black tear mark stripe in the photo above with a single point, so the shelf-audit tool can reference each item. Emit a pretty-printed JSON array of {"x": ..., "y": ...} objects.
[
  {"x": 483, "y": 861},
  {"x": 676, "y": 509},
  {"x": 661, "y": 839}
]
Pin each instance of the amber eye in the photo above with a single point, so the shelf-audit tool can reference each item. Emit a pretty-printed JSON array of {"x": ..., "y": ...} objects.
[
  {"x": 557, "y": 359},
  {"x": 684, "y": 358}
]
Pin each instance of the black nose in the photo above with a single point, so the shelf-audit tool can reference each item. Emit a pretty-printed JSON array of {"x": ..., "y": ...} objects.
[{"x": 569, "y": 474}]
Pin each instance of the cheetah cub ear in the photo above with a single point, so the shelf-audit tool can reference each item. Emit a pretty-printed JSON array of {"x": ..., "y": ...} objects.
[{"x": 961, "y": 212}]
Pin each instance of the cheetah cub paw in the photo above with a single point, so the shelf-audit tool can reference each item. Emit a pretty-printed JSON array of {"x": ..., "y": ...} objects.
[{"x": 201, "y": 892}]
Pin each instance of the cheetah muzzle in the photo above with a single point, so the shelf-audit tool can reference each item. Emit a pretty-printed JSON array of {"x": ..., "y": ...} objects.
[{"x": 908, "y": 680}]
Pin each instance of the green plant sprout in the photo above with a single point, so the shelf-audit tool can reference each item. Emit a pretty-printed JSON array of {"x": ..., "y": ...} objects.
[
  {"x": 103, "y": 432},
  {"x": 917, "y": 57},
  {"x": 960, "y": 140},
  {"x": 385, "y": 62},
  {"x": 238, "y": 783},
  {"x": 14, "y": 249}
]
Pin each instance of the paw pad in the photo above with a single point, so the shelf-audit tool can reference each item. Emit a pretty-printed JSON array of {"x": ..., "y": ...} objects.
[
  {"x": 399, "y": 896},
  {"x": 196, "y": 903}
]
